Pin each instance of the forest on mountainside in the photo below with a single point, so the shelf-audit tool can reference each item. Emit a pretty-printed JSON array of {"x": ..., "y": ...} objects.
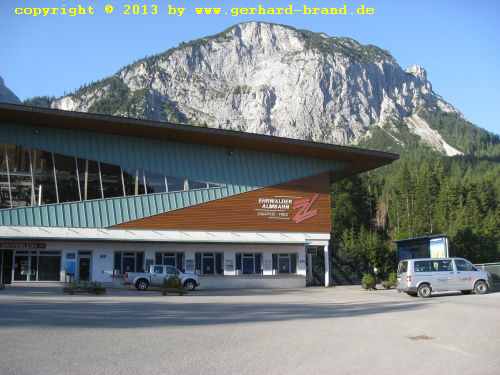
[{"x": 422, "y": 193}]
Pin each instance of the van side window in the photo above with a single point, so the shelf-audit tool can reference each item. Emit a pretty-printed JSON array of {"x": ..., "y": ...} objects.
[
  {"x": 443, "y": 265},
  {"x": 423, "y": 266},
  {"x": 403, "y": 267},
  {"x": 463, "y": 265},
  {"x": 158, "y": 269}
]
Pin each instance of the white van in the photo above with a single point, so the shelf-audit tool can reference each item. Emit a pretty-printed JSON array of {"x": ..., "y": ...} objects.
[{"x": 423, "y": 276}]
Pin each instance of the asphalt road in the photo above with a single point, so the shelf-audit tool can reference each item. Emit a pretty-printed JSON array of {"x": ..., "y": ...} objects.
[{"x": 340, "y": 330}]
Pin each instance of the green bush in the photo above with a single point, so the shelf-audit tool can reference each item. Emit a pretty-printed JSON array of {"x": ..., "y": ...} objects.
[
  {"x": 96, "y": 288},
  {"x": 391, "y": 282},
  {"x": 84, "y": 287},
  {"x": 172, "y": 284},
  {"x": 368, "y": 281},
  {"x": 393, "y": 279}
]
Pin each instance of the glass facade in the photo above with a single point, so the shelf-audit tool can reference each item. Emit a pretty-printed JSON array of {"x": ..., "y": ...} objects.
[
  {"x": 5, "y": 200},
  {"x": 128, "y": 262},
  {"x": 21, "y": 183},
  {"x": 37, "y": 266},
  {"x": 43, "y": 175},
  {"x": 31, "y": 177},
  {"x": 66, "y": 178}
]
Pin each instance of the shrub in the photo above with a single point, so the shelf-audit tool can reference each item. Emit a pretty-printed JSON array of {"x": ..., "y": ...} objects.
[
  {"x": 368, "y": 281},
  {"x": 391, "y": 282},
  {"x": 96, "y": 288},
  {"x": 393, "y": 279},
  {"x": 172, "y": 284},
  {"x": 84, "y": 287}
]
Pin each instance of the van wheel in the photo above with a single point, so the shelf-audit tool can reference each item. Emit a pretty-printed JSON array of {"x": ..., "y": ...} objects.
[
  {"x": 424, "y": 291},
  {"x": 189, "y": 285},
  {"x": 480, "y": 287},
  {"x": 142, "y": 284}
]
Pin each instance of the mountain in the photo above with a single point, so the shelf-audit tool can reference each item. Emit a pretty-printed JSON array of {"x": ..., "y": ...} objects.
[
  {"x": 274, "y": 79},
  {"x": 6, "y": 95}
]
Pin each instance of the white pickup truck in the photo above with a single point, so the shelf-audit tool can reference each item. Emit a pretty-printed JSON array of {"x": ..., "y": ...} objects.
[{"x": 157, "y": 275}]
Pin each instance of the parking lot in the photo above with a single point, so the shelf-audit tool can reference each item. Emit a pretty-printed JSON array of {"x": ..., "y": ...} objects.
[{"x": 341, "y": 330}]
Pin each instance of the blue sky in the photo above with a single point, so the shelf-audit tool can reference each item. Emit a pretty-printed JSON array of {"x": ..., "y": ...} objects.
[{"x": 458, "y": 42}]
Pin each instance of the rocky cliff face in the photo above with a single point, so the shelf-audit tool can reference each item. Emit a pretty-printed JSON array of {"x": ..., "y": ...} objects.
[
  {"x": 273, "y": 79},
  {"x": 6, "y": 95}
]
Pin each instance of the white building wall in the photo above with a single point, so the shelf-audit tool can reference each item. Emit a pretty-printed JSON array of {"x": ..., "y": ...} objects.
[{"x": 103, "y": 259}]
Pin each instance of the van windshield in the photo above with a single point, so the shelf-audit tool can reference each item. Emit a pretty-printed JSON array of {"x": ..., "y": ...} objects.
[{"x": 403, "y": 267}]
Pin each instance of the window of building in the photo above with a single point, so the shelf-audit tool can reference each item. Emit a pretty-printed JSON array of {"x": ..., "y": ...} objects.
[
  {"x": 209, "y": 263},
  {"x": 175, "y": 183},
  {"x": 20, "y": 176},
  {"x": 37, "y": 266},
  {"x": 155, "y": 183},
  {"x": 94, "y": 183},
  {"x": 130, "y": 261},
  {"x": 249, "y": 263},
  {"x": 174, "y": 259},
  {"x": 112, "y": 185},
  {"x": 285, "y": 263},
  {"x": 35, "y": 177},
  {"x": 193, "y": 185},
  {"x": 44, "y": 177},
  {"x": 49, "y": 266},
  {"x": 67, "y": 179},
  {"x": 4, "y": 180},
  {"x": 133, "y": 179}
]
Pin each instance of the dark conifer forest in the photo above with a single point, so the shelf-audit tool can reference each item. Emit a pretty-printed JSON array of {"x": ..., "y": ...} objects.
[{"x": 422, "y": 193}]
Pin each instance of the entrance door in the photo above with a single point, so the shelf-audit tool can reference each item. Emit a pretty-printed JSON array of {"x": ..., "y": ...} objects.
[
  {"x": 6, "y": 266},
  {"x": 315, "y": 262},
  {"x": 84, "y": 265}
]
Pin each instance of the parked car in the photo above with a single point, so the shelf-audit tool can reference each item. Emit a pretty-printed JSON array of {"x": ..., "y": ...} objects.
[
  {"x": 426, "y": 275},
  {"x": 158, "y": 274}
]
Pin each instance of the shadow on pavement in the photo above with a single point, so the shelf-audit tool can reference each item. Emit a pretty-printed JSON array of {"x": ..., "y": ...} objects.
[
  {"x": 104, "y": 314},
  {"x": 56, "y": 290}
]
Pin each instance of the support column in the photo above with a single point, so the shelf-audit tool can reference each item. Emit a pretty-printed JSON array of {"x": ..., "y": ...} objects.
[{"x": 327, "y": 266}]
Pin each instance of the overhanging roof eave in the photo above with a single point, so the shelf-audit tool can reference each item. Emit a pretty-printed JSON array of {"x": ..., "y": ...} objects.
[{"x": 44, "y": 117}]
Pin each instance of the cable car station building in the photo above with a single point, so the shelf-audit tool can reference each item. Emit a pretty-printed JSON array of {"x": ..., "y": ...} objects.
[{"x": 92, "y": 196}]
